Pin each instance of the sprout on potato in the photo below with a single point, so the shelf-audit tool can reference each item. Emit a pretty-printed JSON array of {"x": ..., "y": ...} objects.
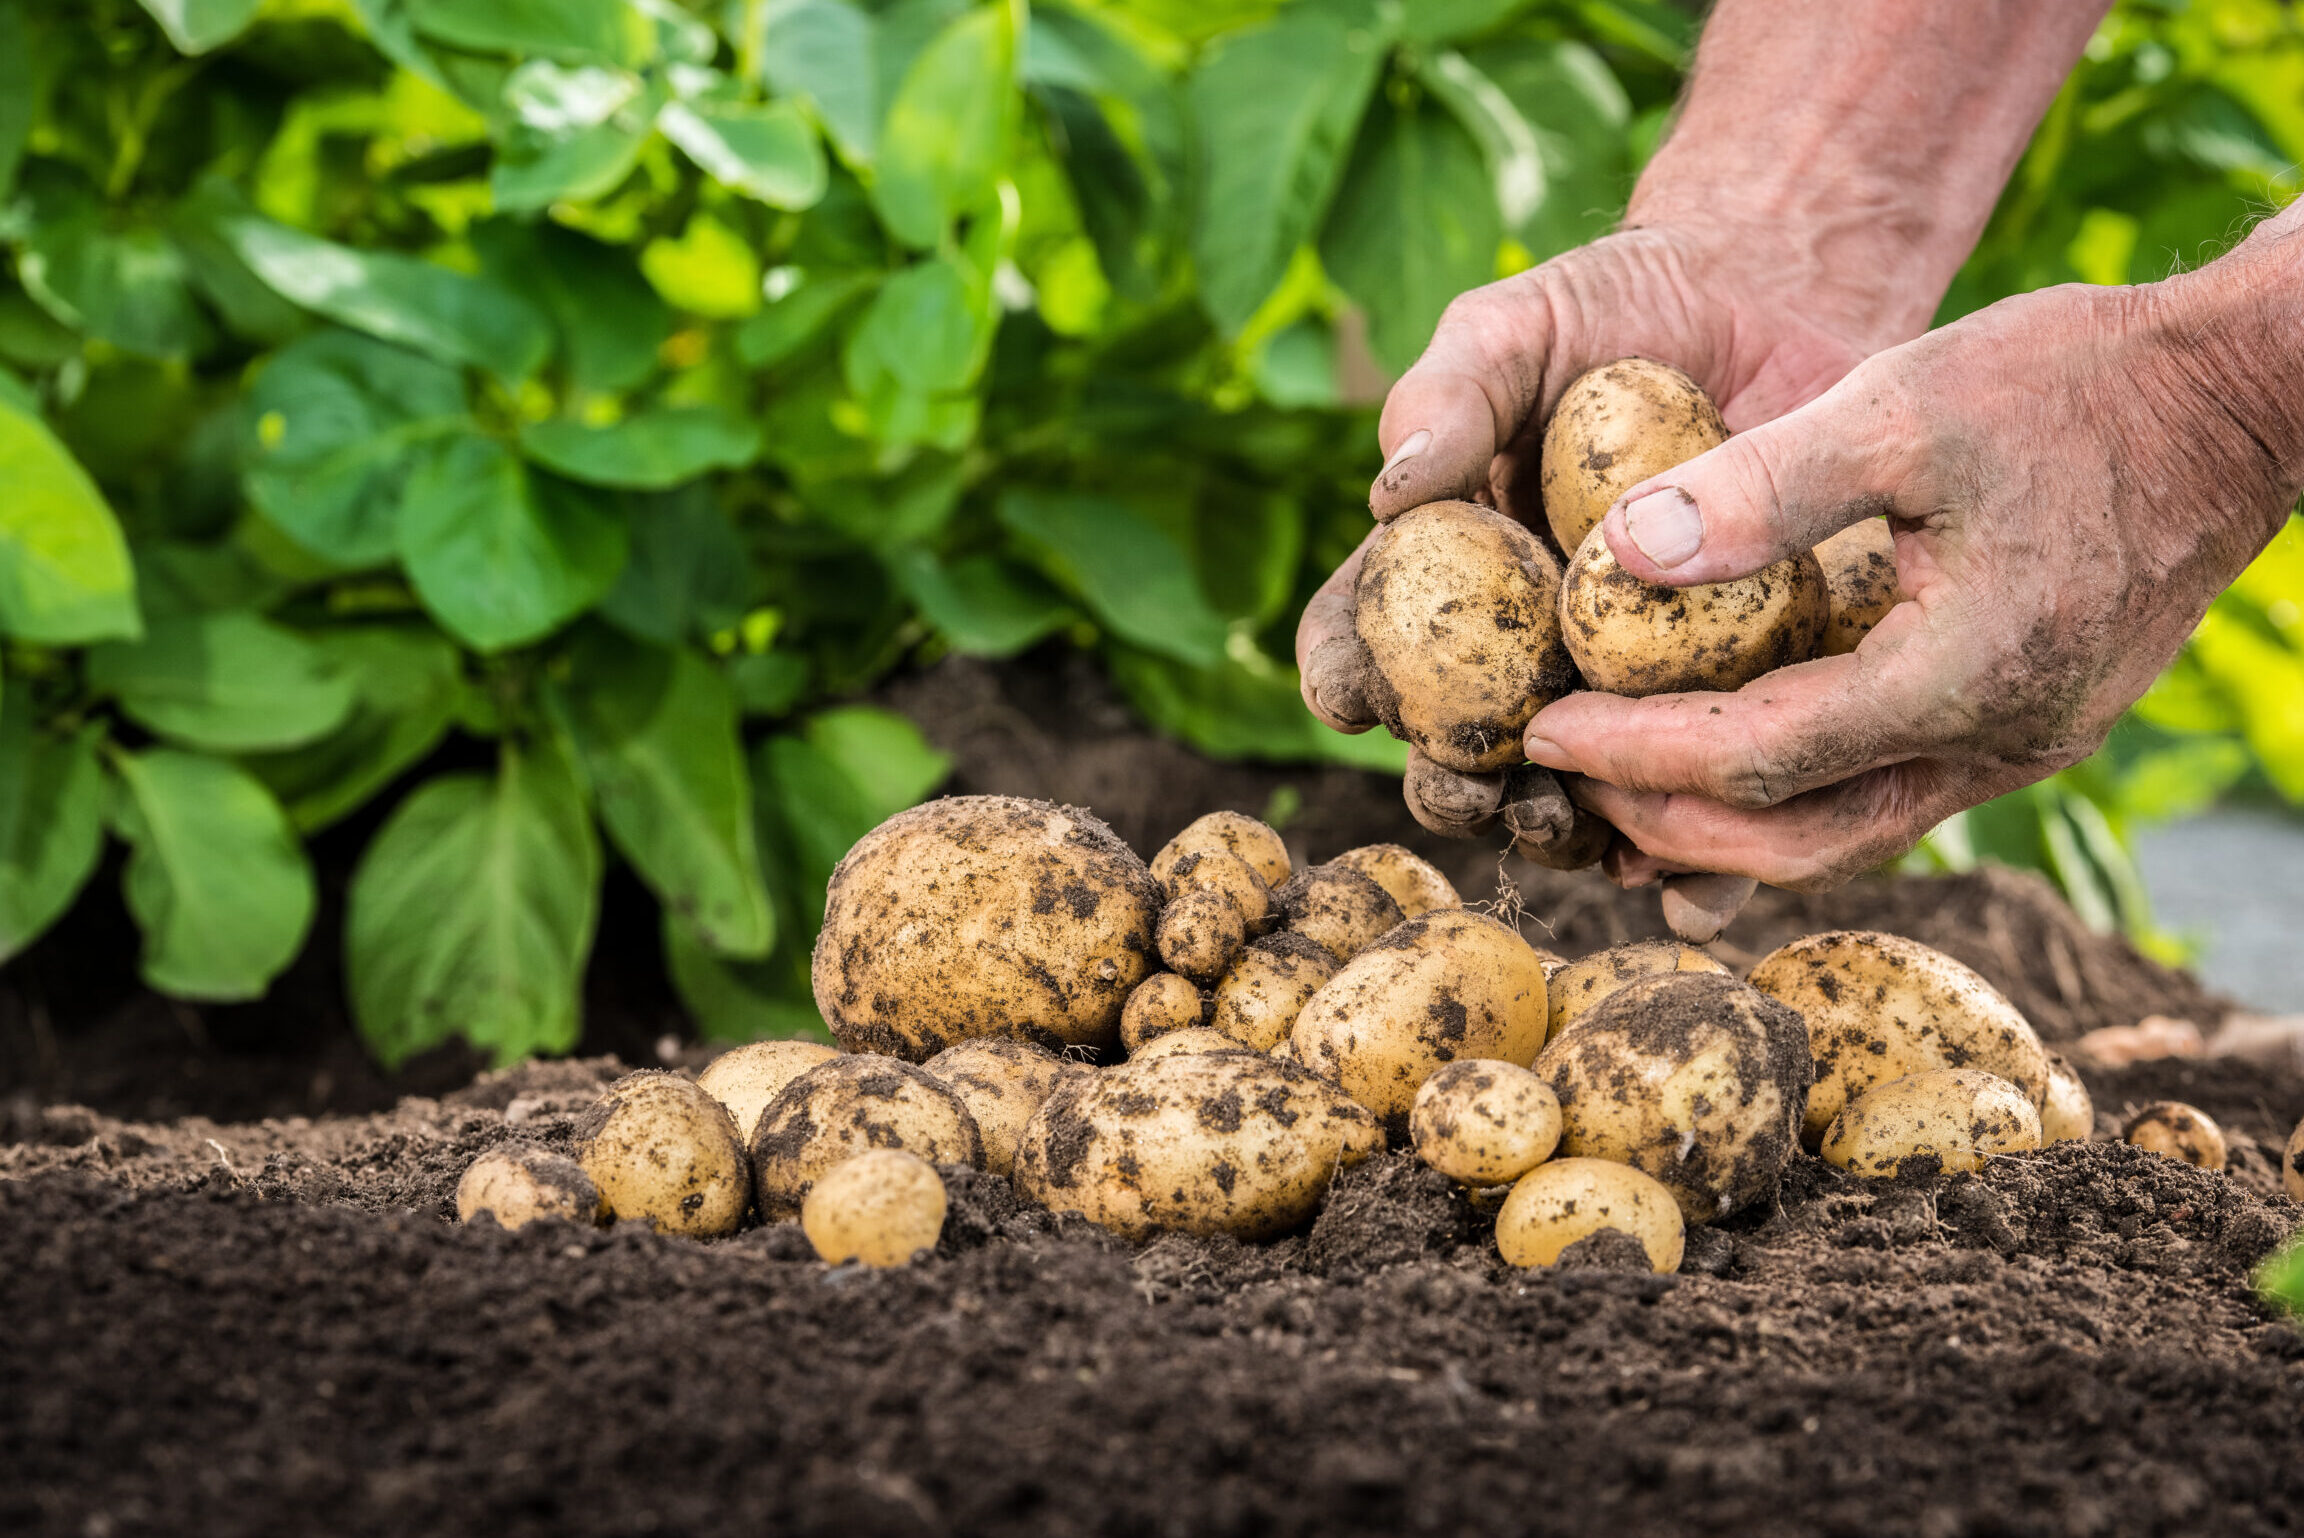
[
  {"x": 1484, "y": 1122},
  {"x": 1575, "y": 986},
  {"x": 660, "y": 1149},
  {"x": 1615, "y": 426},
  {"x": 1557, "y": 1204},
  {"x": 2067, "y": 1114},
  {"x": 1162, "y": 1003},
  {"x": 1257, "y": 1002},
  {"x": 746, "y": 1078},
  {"x": 1630, "y": 636},
  {"x": 1959, "y": 1117},
  {"x": 881, "y": 1208},
  {"x": 1002, "y": 1081},
  {"x": 1860, "y": 580},
  {"x": 517, "y": 1185},
  {"x": 1234, "y": 833},
  {"x": 1412, "y": 881},
  {"x": 841, "y": 1108},
  {"x": 1337, "y": 909},
  {"x": 2178, "y": 1130}
]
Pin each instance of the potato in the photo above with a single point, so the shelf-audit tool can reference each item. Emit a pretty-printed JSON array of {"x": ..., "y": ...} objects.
[
  {"x": 1197, "y": 1039},
  {"x": 2292, "y": 1166},
  {"x": 1162, "y": 1003},
  {"x": 1337, "y": 909},
  {"x": 1692, "y": 1077},
  {"x": 661, "y": 1149},
  {"x": 1257, "y": 1002},
  {"x": 2067, "y": 1114},
  {"x": 1556, "y": 1204},
  {"x": 1484, "y": 1122},
  {"x": 1451, "y": 984},
  {"x": 1002, "y": 1082},
  {"x": 1233, "y": 832},
  {"x": 746, "y": 1078},
  {"x": 1225, "y": 872},
  {"x": 1575, "y": 986},
  {"x": 1881, "y": 1006},
  {"x": 1412, "y": 881},
  {"x": 1203, "y": 1143},
  {"x": 1860, "y": 583},
  {"x": 1634, "y": 637},
  {"x": 983, "y": 916},
  {"x": 516, "y": 1185},
  {"x": 1959, "y": 1116},
  {"x": 1615, "y": 426},
  {"x": 1547, "y": 827},
  {"x": 1458, "y": 607},
  {"x": 1201, "y": 932},
  {"x": 839, "y": 1109},
  {"x": 1450, "y": 804},
  {"x": 881, "y": 1208},
  {"x": 2178, "y": 1130}
]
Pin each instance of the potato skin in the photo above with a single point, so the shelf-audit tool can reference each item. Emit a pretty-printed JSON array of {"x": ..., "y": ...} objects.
[
  {"x": 516, "y": 1185},
  {"x": 1880, "y": 1007},
  {"x": 2292, "y": 1165},
  {"x": 1234, "y": 832},
  {"x": 1202, "y": 1143},
  {"x": 1483, "y": 1122},
  {"x": 2067, "y": 1113},
  {"x": 1576, "y": 986},
  {"x": 746, "y": 1078},
  {"x": 2178, "y": 1130},
  {"x": 1860, "y": 584},
  {"x": 1257, "y": 1002},
  {"x": 1412, "y": 881},
  {"x": 1451, "y": 984},
  {"x": 839, "y": 1109},
  {"x": 660, "y": 1149},
  {"x": 1200, "y": 932},
  {"x": 1692, "y": 1077},
  {"x": 1337, "y": 909},
  {"x": 1226, "y": 872},
  {"x": 1197, "y": 1038},
  {"x": 1556, "y": 1204},
  {"x": 1162, "y": 1003},
  {"x": 1615, "y": 426},
  {"x": 1958, "y": 1116},
  {"x": 1638, "y": 638},
  {"x": 881, "y": 1208},
  {"x": 982, "y": 916},
  {"x": 1002, "y": 1081},
  {"x": 1458, "y": 606}
]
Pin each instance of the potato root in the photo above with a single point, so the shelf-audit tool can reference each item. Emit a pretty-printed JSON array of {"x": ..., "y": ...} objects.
[
  {"x": 1556, "y": 1204},
  {"x": 1615, "y": 426},
  {"x": 1484, "y": 1122},
  {"x": 1257, "y": 1002},
  {"x": 1638, "y": 638},
  {"x": 1412, "y": 881},
  {"x": 1576, "y": 986},
  {"x": 1860, "y": 583},
  {"x": 518, "y": 1184},
  {"x": 839, "y": 1109},
  {"x": 2178, "y": 1130},
  {"x": 746, "y": 1078},
  {"x": 1001, "y": 1081},
  {"x": 1337, "y": 909},
  {"x": 660, "y": 1149},
  {"x": 1234, "y": 833},
  {"x": 1162, "y": 1003},
  {"x": 882, "y": 1208},
  {"x": 2067, "y": 1114},
  {"x": 1959, "y": 1117}
]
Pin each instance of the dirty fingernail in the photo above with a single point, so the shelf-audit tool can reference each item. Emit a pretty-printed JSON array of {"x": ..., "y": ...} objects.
[
  {"x": 1416, "y": 443},
  {"x": 1666, "y": 526}
]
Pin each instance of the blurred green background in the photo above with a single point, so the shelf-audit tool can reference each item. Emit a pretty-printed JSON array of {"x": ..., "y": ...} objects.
[{"x": 613, "y": 389}]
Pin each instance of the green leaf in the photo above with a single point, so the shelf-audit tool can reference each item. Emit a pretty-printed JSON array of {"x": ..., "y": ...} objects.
[
  {"x": 406, "y": 684},
  {"x": 741, "y": 1000},
  {"x": 883, "y": 511},
  {"x": 688, "y": 574},
  {"x": 537, "y": 169},
  {"x": 232, "y": 682},
  {"x": 657, "y": 729},
  {"x": 650, "y": 450},
  {"x": 2282, "y": 1278},
  {"x": 823, "y": 52},
  {"x": 472, "y": 912},
  {"x": 1579, "y": 115},
  {"x": 500, "y": 555},
  {"x": 195, "y": 26},
  {"x": 845, "y": 773},
  {"x": 575, "y": 29},
  {"x": 1443, "y": 21},
  {"x": 215, "y": 876},
  {"x": 882, "y": 754},
  {"x": 51, "y": 820},
  {"x": 982, "y": 605},
  {"x": 610, "y": 321},
  {"x": 65, "y": 577},
  {"x": 1243, "y": 710},
  {"x": 1129, "y": 571},
  {"x": 768, "y": 152},
  {"x": 946, "y": 136},
  {"x": 127, "y": 287},
  {"x": 708, "y": 269},
  {"x": 929, "y": 329},
  {"x": 17, "y": 87},
  {"x": 335, "y": 424},
  {"x": 796, "y": 318}
]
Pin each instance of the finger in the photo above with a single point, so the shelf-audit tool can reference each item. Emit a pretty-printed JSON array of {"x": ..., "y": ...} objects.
[
  {"x": 1698, "y": 907},
  {"x": 1332, "y": 665},
  {"x": 1448, "y": 416}
]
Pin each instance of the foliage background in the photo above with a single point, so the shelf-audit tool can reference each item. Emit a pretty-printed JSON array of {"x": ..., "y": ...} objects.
[{"x": 546, "y": 415}]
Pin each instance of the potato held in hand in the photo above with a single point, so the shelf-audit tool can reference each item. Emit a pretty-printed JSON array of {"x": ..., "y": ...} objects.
[
  {"x": 660, "y": 1149},
  {"x": 1615, "y": 426},
  {"x": 1959, "y": 1117},
  {"x": 1860, "y": 576},
  {"x": 1637, "y": 638},
  {"x": 842, "y": 1108}
]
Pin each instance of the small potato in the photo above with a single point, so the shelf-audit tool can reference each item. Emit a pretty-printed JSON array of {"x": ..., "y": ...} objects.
[
  {"x": 660, "y": 1149},
  {"x": 517, "y": 1185},
  {"x": 2292, "y": 1166},
  {"x": 2178, "y": 1130},
  {"x": 1638, "y": 638},
  {"x": 1615, "y": 426},
  {"x": 1162, "y": 1003},
  {"x": 1257, "y": 1002},
  {"x": 2067, "y": 1115},
  {"x": 1548, "y": 828},
  {"x": 1002, "y": 1082},
  {"x": 1197, "y": 1039},
  {"x": 1233, "y": 832},
  {"x": 1693, "y": 1077},
  {"x": 1483, "y": 1122},
  {"x": 1556, "y": 1204},
  {"x": 1880, "y": 1007},
  {"x": 1575, "y": 986},
  {"x": 1414, "y": 882},
  {"x": 1958, "y": 1116},
  {"x": 1337, "y": 909},
  {"x": 1227, "y": 873},
  {"x": 1450, "y": 804},
  {"x": 881, "y": 1208},
  {"x": 1198, "y": 1142},
  {"x": 746, "y": 1078},
  {"x": 1201, "y": 932},
  {"x": 839, "y": 1109},
  {"x": 1860, "y": 577},
  {"x": 1451, "y": 984}
]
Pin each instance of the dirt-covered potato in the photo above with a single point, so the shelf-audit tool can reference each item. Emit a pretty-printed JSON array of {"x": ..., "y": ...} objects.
[
  {"x": 984, "y": 916},
  {"x": 1556, "y": 1204},
  {"x": 1860, "y": 580},
  {"x": 1337, "y": 909},
  {"x": 1200, "y": 932},
  {"x": 1634, "y": 637},
  {"x": 1002, "y": 1082},
  {"x": 1451, "y": 984},
  {"x": 659, "y": 1148},
  {"x": 839, "y": 1109},
  {"x": 517, "y": 1185},
  {"x": 1162, "y": 1003},
  {"x": 1233, "y": 832},
  {"x": 1458, "y": 607},
  {"x": 2292, "y": 1165},
  {"x": 746, "y": 1078},
  {"x": 1880, "y": 1007},
  {"x": 881, "y": 1208},
  {"x": 1958, "y": 1116},
  {"x": 1198, "y": 1142},
  {"x": 1223, "y": 871},
  {"x": 1548, "y": 828},
  {"x": 1575, "y": 986},
  {"x": 1197, "y": 1039},
  {"x": 2067, "y": 1114},
  {"x": 1450, "y": 804},
  {"x": 1257, "y": 1002},
  {"x": 1412, "y": 881},
  {"x": 1615, "y": 426},
  {"x": 1693, "y": 1077},
  {"x": 2178, "y": 1130},
  {"x": 1484, "y": 1122}
]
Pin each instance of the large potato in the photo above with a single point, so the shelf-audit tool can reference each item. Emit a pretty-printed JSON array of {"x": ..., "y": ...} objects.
[
  {"x": 1575, "y": 986},
  {"x": 1958, "y": 1116},
  {"x": 1694, "y": 1078},
  {"x": 1554, "y": 1205},
  {"x": 1203, "y": 1143},
  {"x": 984, "y": 916},
  {"x": 2178, "y": 1130},
  {"x": 1880, "y": 1007},
  {"x": 880, "y": 1208},
  {"x": 1162, "y": 1003},
  {"x": 1615, "y": 426},
  {"x": 2067, "y": 1113},
  {"x": 1257, "y": 1002},
  {"x": 1458, "y": 607},
  {"x": 518, "y": 1185},
  {"x": 1483, "y": 1122},
  {"x": 1001, "y": 1081},
  {"x": 1451, "y": 984},
  {"x": 660, "y": 1149},
  {"x": 1860, "y": 578},
  {"x": 746, "y": 1078},
  {"x": 1634, "y": 637},
  {"x": 1337, "y": 909},
  {"x": 839, "y": 1109},
  {"x": 1234, "y": 833},
  {"x": 1413, "y": 882}
]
